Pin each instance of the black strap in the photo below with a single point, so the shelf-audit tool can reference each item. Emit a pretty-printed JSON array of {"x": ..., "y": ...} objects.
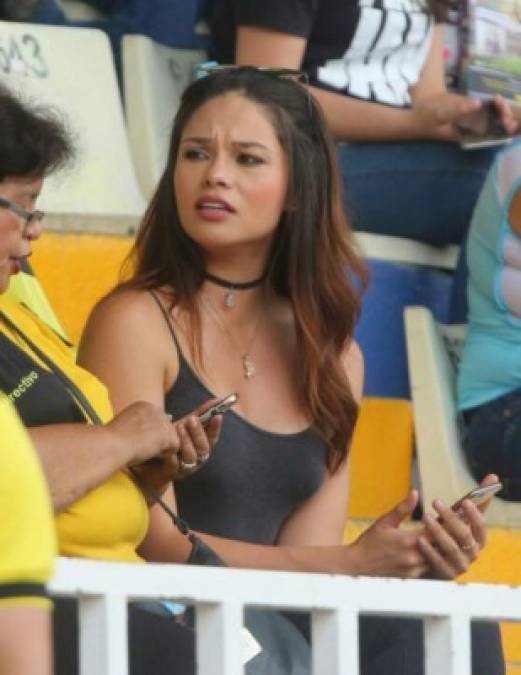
[
  {"x": 70, "y": 386},
  {"x": 90, "y": 414},
  {"x": 23, "y": 590},
  {"x": 168, "y": 321}
]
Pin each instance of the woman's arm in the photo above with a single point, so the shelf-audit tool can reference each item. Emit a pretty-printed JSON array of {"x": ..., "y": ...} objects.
[
  {"x": 25, "y": 641},
  {"x": 79, "y": 457},
  {"x": 384, "y": 550},
  {"x": 352, "y": 119}
]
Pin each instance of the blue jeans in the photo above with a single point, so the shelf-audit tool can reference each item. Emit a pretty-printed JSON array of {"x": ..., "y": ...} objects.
[
  {"x": 423, "y": 190},
  {"x": 492, "y": 442}
]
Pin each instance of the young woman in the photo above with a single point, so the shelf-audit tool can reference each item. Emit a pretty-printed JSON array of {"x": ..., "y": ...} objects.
[
  {"x": 246, "y": 281},
  {"x": 92, "y": 460}
]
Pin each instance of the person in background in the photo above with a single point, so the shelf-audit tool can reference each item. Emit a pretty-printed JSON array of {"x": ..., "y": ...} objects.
[
  {"x": 100, "y": 480},
  {"x": 245, "y": 280},
  {"x": 377, "y": 71},
  {"x": 489, "y": 379}
]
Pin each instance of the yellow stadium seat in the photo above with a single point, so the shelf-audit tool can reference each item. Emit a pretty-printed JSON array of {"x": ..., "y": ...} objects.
[{"x": 381, "y": 457}]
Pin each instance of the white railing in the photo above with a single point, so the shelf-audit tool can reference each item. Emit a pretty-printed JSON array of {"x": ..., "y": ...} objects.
[{"x": 219, "y": 596}]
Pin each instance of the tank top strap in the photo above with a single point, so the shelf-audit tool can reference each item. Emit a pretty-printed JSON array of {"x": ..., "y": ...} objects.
[{"x": 168, "y": 320}]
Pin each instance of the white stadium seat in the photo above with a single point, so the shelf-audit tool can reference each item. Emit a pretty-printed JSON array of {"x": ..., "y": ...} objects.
[
  {"x": 154, "y": 78},
  {"x": 433, "y": 355},
  {"x": 72, "y": 70},
  {"x": 407, "y": 251}
]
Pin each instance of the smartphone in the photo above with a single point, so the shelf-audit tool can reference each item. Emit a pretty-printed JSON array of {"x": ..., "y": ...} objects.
[
  {"x": 218, "y": 408},
  {"x": 482, "y": 128},
  {"x": 478, "y": 495}
]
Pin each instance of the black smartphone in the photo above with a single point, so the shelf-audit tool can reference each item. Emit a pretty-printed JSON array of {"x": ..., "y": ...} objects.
[
  {"x": 482, "y": 128},
  {"x": 478, "y": 495},
  {"x": 218, "y": 408}
]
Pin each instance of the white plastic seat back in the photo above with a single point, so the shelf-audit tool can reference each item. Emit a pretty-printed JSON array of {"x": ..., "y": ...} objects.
[
  {"x": 72, "y": 69},
  {"x": 432, "y": 352},
  {"x": 408, "y": 251},
  {"x": 155, "y": 77}
]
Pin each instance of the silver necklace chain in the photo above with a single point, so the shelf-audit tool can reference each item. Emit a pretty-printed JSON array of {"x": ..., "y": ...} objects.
[{"x": 249, "y": 369}]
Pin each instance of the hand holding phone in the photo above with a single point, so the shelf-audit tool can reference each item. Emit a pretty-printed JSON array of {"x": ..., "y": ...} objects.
[
  {"x": 482, "y": 128},
  {"x": 479, "y": 495},
  {"x": 218, "y": 408}
]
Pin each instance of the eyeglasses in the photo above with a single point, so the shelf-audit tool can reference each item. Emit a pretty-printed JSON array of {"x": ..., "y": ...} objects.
[
  {"x": 29, "y": 217},
  {"x": 209, "y": 67}
]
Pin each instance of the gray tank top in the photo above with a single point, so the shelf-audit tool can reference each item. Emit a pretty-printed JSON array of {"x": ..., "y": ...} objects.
[{"x": 254, "y": 479}]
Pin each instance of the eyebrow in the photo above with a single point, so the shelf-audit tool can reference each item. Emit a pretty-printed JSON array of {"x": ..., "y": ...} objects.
[{"x": 202, "y": 140}]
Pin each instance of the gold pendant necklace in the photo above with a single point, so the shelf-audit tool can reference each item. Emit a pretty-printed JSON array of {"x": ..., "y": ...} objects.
[
  {"x": 229, "y": 299},
  {"x": 249, "y": 369}
]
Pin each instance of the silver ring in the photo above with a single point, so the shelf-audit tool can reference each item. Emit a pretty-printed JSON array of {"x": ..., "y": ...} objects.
[{"x": 203, "y": 458}]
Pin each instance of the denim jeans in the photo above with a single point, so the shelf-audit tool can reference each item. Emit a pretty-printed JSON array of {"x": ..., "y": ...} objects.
[
  {"x": 492, "y": 442},
  {"x": 423, "y": 190}
]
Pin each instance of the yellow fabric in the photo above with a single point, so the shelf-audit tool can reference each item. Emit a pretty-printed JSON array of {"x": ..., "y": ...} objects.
[
  {"x": 44, "y": 603},
  {"x": 26, "y": 288},
  {"x": 27, "y": 534},
  {"x": 111, "y": 521},
  {"x": 76, "y": 270},
  {"x": 380, "y": 457}
]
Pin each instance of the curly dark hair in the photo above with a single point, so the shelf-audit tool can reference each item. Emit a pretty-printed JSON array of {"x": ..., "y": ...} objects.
[{"x": 34, "y": 140}]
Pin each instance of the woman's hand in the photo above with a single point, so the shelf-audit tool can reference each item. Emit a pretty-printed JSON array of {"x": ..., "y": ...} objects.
[
  {"x": 143, "y": 431},
  {"x": 438, "y": 115},
  {"x": 454, "y": 540},
  {"x": 386, "y": 550},
  {"x": 181, "y": 447}
]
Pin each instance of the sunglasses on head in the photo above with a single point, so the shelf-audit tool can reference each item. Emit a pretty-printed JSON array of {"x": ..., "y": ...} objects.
[{"x": 210, "y": 67}]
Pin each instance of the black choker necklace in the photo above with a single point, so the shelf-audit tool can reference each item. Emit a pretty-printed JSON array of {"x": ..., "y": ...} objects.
[{"x": 231, "y": 287}]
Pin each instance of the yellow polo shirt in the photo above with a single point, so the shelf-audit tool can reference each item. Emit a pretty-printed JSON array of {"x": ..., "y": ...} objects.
[{"x": 109, "y": 522}]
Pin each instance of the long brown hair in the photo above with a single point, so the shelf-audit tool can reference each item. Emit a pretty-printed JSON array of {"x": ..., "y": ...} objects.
[{"x": 312, "y": 263}]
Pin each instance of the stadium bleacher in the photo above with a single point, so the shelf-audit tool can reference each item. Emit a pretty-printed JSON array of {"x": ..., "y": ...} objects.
[{"x": 119, "y": 161}]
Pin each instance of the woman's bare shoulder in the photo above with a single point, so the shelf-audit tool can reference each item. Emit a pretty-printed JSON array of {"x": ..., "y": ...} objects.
[{"x": 124, "y": 314}]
